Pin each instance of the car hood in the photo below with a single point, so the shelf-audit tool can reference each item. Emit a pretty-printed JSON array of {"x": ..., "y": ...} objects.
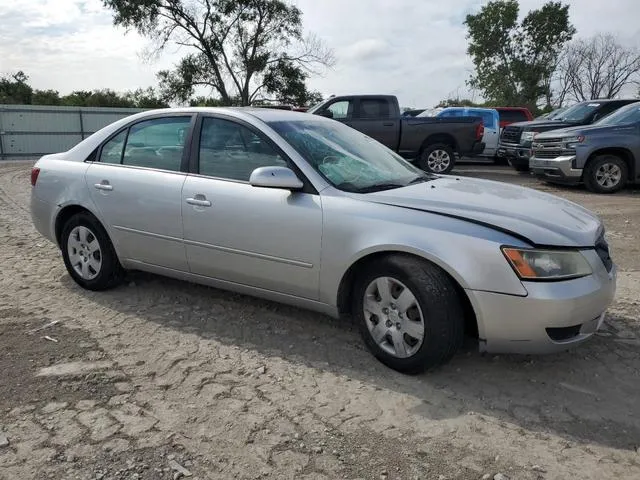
[
  {"x": 539, "y": 218},
  {"x": 542, "y": 125},
  {"x": 578, "y": 130}
]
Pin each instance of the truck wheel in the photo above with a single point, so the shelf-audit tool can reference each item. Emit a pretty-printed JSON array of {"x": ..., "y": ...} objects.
[
  {"x": 606, "y": 174},
  {"x": 437, "y": 158}
]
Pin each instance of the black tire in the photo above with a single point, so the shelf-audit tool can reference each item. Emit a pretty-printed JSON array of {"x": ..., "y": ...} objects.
[
  {"x": 423, "y": 160},
  {"x": 500, "y": 160},
  {"x": 110, "y": 272},
  {"x": 441, "y": 307},
  {"x": 519, "y": 167},
  {"x": 591, "y": 173}
]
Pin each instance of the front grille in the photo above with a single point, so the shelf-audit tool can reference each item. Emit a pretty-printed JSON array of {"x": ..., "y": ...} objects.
[
  {"x": 548, "y": 140},
  {"x": 547, "y": 153},
  {"x": 511, "y": 134},
  {"x": 602, "y": 249}
]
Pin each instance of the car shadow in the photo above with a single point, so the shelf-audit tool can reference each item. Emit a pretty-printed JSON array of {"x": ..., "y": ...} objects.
[{"x": 588, "y": 395}]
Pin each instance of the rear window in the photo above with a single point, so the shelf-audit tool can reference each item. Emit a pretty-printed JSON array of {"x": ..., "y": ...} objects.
[{"x": 512, "y": 116}]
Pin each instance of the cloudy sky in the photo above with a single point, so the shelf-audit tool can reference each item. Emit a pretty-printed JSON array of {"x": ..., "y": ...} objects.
[{"x": 412, "y": 48}]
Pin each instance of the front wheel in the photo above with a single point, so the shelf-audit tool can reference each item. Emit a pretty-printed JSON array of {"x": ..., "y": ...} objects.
[
  {"x": 88, "y": 253},
  {"x": 437, "y": 158},
  {"x": 409, "y": 313},
  {"x": 606, "y": 174}
]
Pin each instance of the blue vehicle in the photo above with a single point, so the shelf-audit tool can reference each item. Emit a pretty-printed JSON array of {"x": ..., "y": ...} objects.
[{"x": 490, "y": 119}]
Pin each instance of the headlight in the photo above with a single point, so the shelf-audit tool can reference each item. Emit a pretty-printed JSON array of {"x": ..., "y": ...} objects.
[
  {"x": 547, "y": 264},
  {"x": 528, "y": 136},
  {"x": 572, "y": 142}
]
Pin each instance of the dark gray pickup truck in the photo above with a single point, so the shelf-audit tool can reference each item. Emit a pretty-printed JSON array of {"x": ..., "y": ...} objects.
[
  {"x": 516, "y": 139},
  {"x": 605, "y": 155},
  {"x": 432, "y": 142}
]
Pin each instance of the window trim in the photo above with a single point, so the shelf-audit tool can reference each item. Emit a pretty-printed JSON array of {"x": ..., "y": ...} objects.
[
  {"x": 194, "y": 160},
  {"x": 186, "y": 151}
]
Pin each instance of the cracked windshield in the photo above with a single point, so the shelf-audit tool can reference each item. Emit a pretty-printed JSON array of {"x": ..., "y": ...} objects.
[{"x": 349, "y": 160}]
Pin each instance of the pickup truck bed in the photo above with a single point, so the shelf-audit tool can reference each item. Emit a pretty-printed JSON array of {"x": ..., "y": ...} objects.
[{"x": 432, "y": 142}]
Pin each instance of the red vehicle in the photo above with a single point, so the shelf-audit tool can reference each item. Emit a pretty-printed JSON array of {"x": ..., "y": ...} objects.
[{"x": 509, "y": 115}]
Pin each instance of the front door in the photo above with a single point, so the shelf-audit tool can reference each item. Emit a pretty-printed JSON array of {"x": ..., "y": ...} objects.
[
  {"x": 136, "y": 185},
  {"x": 261, "y": 237}
]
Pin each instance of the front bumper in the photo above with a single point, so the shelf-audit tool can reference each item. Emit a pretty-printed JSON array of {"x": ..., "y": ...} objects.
[
  {"x": 558, "y": 169},
  {"x": 553, "y": 317},
  {"x": 518, "y": 155}
]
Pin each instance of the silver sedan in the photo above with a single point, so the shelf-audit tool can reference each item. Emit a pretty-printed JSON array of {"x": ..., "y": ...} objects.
[{"x": 304, "y": 210}]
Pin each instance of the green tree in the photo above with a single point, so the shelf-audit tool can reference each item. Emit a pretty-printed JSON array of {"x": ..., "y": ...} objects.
[
  {"x": 237, "y": 47},
  {"x": 46, "y": 97},
  {"x": 514, "y": 61},
  {"x": 145, "y": 98},
  {"x": 458, "y": 102},
  {"x": 14, "y": 89}
]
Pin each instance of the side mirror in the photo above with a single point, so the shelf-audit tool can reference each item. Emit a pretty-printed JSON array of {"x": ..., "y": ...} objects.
[
  {"x": 275, "y": 177},
  {"x": 326, "y": 113}
]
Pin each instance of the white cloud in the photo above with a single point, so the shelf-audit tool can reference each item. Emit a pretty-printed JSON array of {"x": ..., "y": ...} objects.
[
  {"x": 365, "y": 49},
  {"x": 414, "y": 49}
]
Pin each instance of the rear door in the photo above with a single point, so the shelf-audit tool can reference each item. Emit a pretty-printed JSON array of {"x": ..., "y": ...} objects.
[
  {"x": 374, "y": 116},
  {"x": 136, "y": 185}
]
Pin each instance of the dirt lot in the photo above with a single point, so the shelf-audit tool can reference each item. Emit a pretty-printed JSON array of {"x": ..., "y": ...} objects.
[{"x": 159, "y": 379}]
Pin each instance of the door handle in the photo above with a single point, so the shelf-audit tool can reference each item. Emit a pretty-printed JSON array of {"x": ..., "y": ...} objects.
[
  {"x": 388, "y": 124},
  {"x": 104, "y": 185},
  {"x": 199, "y": 201}
]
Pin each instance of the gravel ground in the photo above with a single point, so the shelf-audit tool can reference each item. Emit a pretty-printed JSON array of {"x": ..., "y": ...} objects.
[{"x": 160, "y": 379}]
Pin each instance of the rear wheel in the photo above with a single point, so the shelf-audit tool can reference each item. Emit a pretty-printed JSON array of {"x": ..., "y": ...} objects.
[
  {"x": 606, "y": 174},
  {"x": 88, "y": 253},
  {"x": 437, "y": 158},
  {"x": 409, "y": 313}
]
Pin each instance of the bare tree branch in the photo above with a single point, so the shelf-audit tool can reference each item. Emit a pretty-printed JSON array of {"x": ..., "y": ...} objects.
[{"x": 599, "y": 67}]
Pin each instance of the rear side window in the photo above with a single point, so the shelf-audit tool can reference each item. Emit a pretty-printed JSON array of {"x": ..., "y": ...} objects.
[
  {"x": 112, "y": 150},
  {"x": 512, "y": 116},
  {"x": 157, "y": 143},
  {"x": 374, "y": 108}
]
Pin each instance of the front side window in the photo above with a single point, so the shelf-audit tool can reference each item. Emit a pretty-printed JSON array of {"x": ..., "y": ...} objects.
[
  {"x": 157, "y": 143},
  {"x": 348, "y": 159},
  {"x": 339, "y": 110},
  {"x": 232, "y": 151}
]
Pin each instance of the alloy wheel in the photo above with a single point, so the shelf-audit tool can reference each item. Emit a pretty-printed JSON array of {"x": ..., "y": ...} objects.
[{"x": 393, "y": 317}]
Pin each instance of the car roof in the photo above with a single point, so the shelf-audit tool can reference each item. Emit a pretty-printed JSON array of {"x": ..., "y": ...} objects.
[{"x": 261, "y": 113}]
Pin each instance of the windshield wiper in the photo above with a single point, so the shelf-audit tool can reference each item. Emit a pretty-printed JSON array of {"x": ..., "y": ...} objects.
[
  {"x": 421, "y": 179},
  {"x": 378, "y": 187}
]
